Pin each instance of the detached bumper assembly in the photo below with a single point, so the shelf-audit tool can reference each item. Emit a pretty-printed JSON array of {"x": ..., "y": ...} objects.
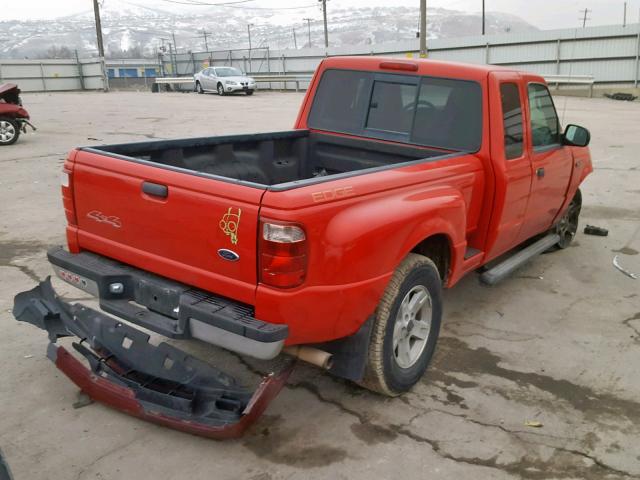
[{"x": 162, "y": 384}]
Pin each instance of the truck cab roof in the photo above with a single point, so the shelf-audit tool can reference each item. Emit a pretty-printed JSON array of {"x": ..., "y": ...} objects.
[{"x": 417, "y": 66}]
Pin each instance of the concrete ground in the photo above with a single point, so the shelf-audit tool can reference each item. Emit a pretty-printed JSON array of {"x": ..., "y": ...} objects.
[{"x": 558, "y": 344}]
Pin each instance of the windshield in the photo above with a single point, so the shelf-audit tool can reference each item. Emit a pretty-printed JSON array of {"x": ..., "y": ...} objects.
[{"x": 228, "y": 72}]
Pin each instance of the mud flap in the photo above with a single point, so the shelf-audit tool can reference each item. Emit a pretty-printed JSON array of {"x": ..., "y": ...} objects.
[{"x": 160, "y": 383}]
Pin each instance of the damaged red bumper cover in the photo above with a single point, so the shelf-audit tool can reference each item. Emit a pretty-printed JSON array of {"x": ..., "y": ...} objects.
[{"x": 161, "y": 383}]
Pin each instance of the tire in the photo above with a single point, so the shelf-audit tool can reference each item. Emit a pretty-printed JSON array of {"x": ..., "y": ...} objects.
[
  {"x": 9, "y": 131},
  {"x": 220, "y": 89},
  {"x": 199, "y": 88},
  {"x": 567, "y": 226},
  {"x": 249, "y": 92},
  {"x": 388, "y": 370}
]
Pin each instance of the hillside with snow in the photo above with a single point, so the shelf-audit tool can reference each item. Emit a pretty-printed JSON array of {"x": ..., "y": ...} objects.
[{"x": 132, "y": 30}]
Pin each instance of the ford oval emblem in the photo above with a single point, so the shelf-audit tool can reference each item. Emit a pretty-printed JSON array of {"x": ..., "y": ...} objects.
[{"x": 228, "y": 255}]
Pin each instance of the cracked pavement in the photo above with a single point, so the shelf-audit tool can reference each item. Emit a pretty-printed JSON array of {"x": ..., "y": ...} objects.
[{"x": 558, "y": 343}]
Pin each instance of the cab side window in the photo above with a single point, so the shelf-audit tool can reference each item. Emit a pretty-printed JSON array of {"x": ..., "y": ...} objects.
[
  {"x": 512, "y": 120},
  {"x": 545, "y": 127}
]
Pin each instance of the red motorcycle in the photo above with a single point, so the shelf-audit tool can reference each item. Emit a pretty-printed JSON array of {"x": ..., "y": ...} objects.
[{"x": 14, "y": 119}]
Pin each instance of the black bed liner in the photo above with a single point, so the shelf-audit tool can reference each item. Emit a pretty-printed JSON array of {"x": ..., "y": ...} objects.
[{"x": 274, "y": 160}]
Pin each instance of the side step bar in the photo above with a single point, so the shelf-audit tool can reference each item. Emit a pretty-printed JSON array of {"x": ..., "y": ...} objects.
[{"x": 508, "y": 266}]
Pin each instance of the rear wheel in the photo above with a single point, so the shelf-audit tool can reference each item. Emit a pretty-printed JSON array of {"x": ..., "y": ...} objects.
[
  {"x": 406, "y": 327},
  {"x": 568, "y": 224},
  {"x": 9, "y": 131},
  {"x": 220, "y": 89}
]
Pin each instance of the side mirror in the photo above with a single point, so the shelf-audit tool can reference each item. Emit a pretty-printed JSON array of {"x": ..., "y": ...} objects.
[{"x": 576, "y": 136}]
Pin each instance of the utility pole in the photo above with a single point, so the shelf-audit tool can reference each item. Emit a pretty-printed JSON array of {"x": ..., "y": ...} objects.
[
  {"x": 205, "y": 34},
  {"x": 96, "y": 12},
  {"x": 624, "y": 15},
  {"x": 175, "y": 53},
  {"x": 423, "y": 28},
  {"x": 308, "y": 29},
  {"x": 584, "y": 18},
  {"x": 324, "y": 16},
  {"x": 295, "y": 42},
  {"x": 483, "y": 19},
  {"x": 249, "y": 25}
]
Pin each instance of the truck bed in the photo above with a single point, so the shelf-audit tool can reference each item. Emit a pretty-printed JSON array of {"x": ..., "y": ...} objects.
[{"x": 283, "y": 159}]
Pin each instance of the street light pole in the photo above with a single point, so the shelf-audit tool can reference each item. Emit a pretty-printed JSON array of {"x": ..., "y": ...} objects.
[
  {"x": 423, "y": 28},
  {"x": 483, "y": 18}
]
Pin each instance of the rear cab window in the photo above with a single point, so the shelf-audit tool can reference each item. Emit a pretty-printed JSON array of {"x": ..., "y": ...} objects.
[
  {"x": 428, "y": 111},
  {"x": 512, "y": 120}
]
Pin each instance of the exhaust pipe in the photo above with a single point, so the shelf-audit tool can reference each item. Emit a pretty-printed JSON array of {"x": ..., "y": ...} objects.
[{"x": 315, "y": 356}]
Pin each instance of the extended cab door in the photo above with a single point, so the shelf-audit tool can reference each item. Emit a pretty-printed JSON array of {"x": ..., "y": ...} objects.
[
  {"x": 551, "y": 161},
  {"x": 511, "y": 162}
]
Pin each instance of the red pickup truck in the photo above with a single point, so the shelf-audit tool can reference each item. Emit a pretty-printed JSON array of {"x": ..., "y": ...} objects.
[{"x": 400, "y": 177}]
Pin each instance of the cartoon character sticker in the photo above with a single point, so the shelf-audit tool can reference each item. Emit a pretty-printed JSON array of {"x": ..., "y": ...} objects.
[{"x": 230, "y": 224}]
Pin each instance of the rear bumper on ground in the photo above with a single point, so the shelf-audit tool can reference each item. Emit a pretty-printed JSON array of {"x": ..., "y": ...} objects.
[
  {"x": 168, "y": 307},
  {"x": 160, "y": 383}
]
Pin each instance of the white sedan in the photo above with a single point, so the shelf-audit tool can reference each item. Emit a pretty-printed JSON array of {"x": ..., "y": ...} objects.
[{"x": 223, "y": 80}]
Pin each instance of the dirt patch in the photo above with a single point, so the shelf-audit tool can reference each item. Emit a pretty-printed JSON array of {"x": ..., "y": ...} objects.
[
  {"x": 286, "y": 446},
  {"x": 455, "y": 356},
  {"x": 373, "y": 434},
  {"x": 610, "y": 213},
  {"x": 13, "y": 250},
  {"x": 626, "y": 251}
]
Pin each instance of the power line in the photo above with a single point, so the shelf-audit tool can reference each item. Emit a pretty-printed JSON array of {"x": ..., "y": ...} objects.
[
  {"x": 234, "y": 4},
  {"x": 248, "y": 7},
  {"x": 206, "y": 4}
]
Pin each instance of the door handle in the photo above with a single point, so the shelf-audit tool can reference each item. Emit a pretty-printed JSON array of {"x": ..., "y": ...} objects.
[
  {"x": 155, "y": 189},
  {"x": 540, "y": 172}
]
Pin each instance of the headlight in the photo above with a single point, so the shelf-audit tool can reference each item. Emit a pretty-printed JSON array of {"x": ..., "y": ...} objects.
[{"x": 230, "y": 82}]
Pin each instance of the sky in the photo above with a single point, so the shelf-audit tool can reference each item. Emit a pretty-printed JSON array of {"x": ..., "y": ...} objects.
[{"x": 544, "y": 14}]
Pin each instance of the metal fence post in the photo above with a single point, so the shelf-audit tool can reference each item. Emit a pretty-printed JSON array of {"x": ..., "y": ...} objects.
[
  {"x": 558, "y": 62},
  {"x": 80, "y": 72},
  {"x": 486, "y": 53},
  {"x": 635, "y": 79},
  {"x": 44, "y": 83},
  {"x": 284, "y": 71},
  {"x": 105, "y": 77}
]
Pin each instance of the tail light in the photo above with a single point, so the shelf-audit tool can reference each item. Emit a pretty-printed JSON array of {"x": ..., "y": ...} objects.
[
  {"x": 66, "y": 182},
  {"x": 282, "y": 253}
]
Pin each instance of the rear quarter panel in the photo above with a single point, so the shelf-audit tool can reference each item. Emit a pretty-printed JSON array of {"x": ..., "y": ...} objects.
[{"x": 359, "y": 229}]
